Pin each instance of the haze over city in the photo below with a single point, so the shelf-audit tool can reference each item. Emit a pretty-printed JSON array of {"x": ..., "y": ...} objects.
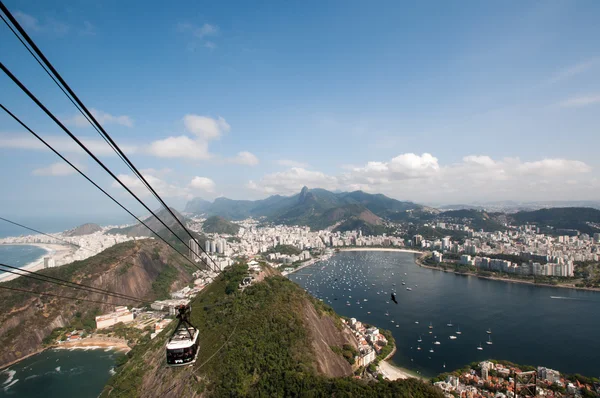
[{"x": 433, "y": 103}]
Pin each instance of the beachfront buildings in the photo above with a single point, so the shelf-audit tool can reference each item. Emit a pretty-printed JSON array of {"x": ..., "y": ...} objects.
[{"x": 121, "y": 314}]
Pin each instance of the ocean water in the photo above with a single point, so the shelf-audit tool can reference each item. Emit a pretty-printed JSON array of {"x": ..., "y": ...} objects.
[
  {"x": 59, "y": 374},
  {"x": 52, "y": 224},
  {"x": 20, "y": 255},
  {"x": 553, "y": 327}
]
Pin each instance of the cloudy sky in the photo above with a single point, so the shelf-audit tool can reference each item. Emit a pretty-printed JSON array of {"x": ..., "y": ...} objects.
[{"x": 435, "y": 102}]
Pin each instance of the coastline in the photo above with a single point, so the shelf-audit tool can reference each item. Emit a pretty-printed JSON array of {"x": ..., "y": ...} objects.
[
  {"x": 93, "y": 343},
  {"x": 90, "y": 343},
  {"x": 500, "y": 279},
  {"x": 393, "y": 372},
  {"x": 352, "y": 249},
  {"x": 57, "y": 251}
]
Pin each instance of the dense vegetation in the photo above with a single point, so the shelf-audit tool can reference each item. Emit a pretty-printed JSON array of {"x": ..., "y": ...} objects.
[
  {"x": 219, "y": 225},
  {"x": 261, "y": 346},
  {"x": 284, "y": 249},
  {"x": 565, "y": 218}
]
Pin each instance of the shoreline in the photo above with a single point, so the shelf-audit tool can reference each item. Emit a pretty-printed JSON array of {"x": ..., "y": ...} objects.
[
  {"x": 91, "y": 343},
  {"x": 393, "y": 372},
  {"x": 55, "y": 250},
  {"x": 501, "y": 279},
  {"x": 352, "y": 249}
]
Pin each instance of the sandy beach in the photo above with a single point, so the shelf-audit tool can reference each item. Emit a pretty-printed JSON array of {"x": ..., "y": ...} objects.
[
  {"x": 57, "y": 252},
  {"x": 93, "y": 343},
  {"x": 392, "y": 372}
]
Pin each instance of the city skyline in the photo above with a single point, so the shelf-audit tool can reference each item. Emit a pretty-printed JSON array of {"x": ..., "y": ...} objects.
[{"x": 432, "y": 104}]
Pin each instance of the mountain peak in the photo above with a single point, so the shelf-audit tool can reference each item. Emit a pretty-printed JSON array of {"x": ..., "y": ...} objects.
[{"x": 303, "y": 194}]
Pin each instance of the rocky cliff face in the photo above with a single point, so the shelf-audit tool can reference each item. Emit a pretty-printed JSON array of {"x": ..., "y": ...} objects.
[{"x": 129, "y": 268}]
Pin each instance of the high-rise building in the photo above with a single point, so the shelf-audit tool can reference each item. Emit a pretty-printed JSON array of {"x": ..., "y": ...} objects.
[
  {"x": 597, "y": 237},
  {"x": 194, "y": 250},
  {"x": 207, "y": 246},
  {"x": 49, "y": 262},
  {"x": 213, "y": 246},
  {"x": 416, "y": 240}
]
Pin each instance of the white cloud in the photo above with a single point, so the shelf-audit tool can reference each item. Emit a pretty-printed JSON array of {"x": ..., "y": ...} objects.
[
  {"x": 102, "y": 117},
  {"x": 28, "y": 22},
  {"x": 206, "y": 127},
  {"x": 479, "y": 160},
  {"x": 246, "y": 158},
  {"x": 291, "y": 163},
  {"x": 165, "y": 188},
  {"x": 200, "y": 33},
  {"x": 89, "y": 29},
  {"x": 422, "y": 178},
  {"x": 179, "y": 147},
  {"x": 292, "y": 180},
  {"x": 32, "y": 24},
  {"x": 58, "y": 169},
  {"x": 62, "y": 144},
  {"x": 202, "y": 184},
  {"x": 580, "y": 101},
  {"x": 573, "y": 70}
]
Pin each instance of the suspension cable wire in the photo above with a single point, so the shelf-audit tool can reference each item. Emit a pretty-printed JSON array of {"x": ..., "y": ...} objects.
[
  {"x": 72, "y": 285},
  {"x": 95, "y": 123},
  {"x": 94, "y": 183},
  {"x": 85, "y": 148},
  {"x": 55, "y": 295}
]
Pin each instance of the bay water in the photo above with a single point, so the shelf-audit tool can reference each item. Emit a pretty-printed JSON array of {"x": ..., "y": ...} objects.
[{"x": 532, "y": 325}]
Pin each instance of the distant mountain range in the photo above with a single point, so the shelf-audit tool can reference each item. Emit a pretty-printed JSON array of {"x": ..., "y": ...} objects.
[
  {"x": 316, "y": 208},
  {"x": 511, "y": 206}
]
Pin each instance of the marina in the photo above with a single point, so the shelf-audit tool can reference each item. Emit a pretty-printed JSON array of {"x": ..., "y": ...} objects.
[{"x": 439, "y": 298}]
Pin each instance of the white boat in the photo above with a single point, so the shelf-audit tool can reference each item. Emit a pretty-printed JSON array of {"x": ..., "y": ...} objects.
[
  {"x": 452, "y": 337},
  {"x": 408, "y": 288},
  {"x": 458, "y": 331},
  {"x": 430, "y": 325},
  {"x": 419, "y": 348},
  {"x": 404, "y": 283},
  {"x": 489, "y": 331},
  {"x": 420, "y": 339},
  {"x": 480, "y": 348},
  {"x": 489, "y": 342},
  {"x": 444, "y": 365},
  {"x": 417, "y": 322},
  {"x": 431, "y": 350},
  {"x": 449, "y": 324},
  {"x": 437, "y": 342}
]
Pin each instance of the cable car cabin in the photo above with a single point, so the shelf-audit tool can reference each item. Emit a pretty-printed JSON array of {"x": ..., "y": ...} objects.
[{"x": 182, "y": 347}]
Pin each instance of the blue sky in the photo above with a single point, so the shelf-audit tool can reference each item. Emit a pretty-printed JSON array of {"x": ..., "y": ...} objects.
[{"x": 437, "y": 102}]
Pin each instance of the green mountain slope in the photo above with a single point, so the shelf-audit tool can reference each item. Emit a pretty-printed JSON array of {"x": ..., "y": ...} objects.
[
  {"x": 271, "y": 340},
  {"x": 219, "y": 225},
  {"x": 561, "y": 218}
]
